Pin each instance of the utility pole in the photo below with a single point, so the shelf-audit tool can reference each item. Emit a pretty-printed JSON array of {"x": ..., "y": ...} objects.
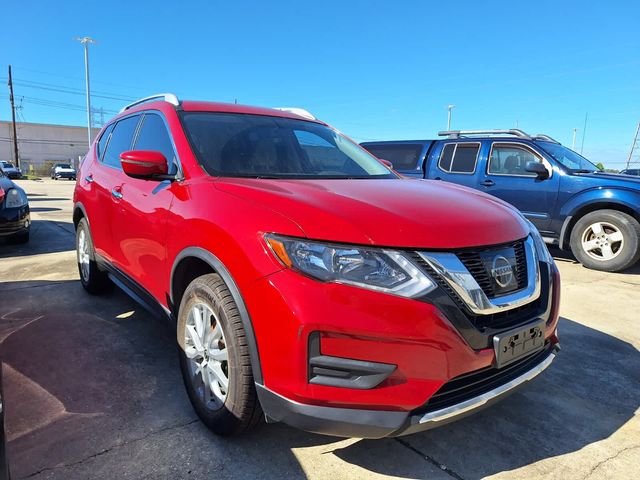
[
  {"x": 449, "y": 108},
  {"x": 633, "y": 145},
  {"x": 573, "y": 143},
  {"x": 85, "y": 41},
  {"x": 584, "y": 131},
  {"x": 13, "y": 121}
]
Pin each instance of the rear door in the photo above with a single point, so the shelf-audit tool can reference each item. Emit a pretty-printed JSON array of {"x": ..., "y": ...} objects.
[
  {"x": 506, "y": 178},
  {"x": 139, "y": 232},
  {"x": 456, "y": 162}
]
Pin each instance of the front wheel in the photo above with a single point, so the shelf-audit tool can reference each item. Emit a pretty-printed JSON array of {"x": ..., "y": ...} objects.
[
  {"x": 606, "y": 240},
  {"x": 214, "y": 358}
]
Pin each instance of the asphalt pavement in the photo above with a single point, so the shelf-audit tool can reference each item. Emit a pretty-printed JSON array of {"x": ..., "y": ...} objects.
[{"x": 93, "y": 389}]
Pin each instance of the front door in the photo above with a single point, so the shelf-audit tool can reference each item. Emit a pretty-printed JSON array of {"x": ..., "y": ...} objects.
[
  {"x": 506, "y": 178},
  {"x": 140, "y": 227}
]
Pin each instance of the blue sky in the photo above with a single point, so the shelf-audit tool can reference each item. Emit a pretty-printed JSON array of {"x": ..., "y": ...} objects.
[{"x": 373, "y": 69}]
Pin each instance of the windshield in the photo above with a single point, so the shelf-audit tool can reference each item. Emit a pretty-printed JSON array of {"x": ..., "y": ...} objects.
[
  {"x": 63, "y": 165},
  {"x": 568, "y": 158},
  {"x": 258, "y": 146},
  {"x": 7, "y": 165}
]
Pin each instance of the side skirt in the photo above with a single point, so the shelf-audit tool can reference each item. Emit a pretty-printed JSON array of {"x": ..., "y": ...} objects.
[{"x": 135, "y": 290}]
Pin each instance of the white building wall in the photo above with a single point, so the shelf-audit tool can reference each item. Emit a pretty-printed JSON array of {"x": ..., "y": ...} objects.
[{"x": 41, "y": 145}]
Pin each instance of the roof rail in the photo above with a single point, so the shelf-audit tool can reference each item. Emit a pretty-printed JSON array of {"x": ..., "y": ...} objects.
[
  {"x": 512, "y": 131},
  {"x": 297, "y": 111},
  {"x": 167, "y": 97},
  {"x": 547, "y": 138}
]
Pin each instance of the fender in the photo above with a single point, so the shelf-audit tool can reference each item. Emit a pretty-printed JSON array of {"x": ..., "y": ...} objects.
[
  {"x": 626, "y": 199},
  {"x": 80, "y": 206},
  {"x": 221, "y": 270}
]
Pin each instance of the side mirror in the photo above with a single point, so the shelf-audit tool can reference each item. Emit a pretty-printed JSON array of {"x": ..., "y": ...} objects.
[
  {"x": 145, "y": 164},
  {"x": 538, "y": 168},
  {"x": 1, "y": 194},
  {"x": 387, "y": 163}
]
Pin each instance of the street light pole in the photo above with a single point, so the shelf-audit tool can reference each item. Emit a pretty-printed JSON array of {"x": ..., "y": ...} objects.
[
  {"x": 449, "y": 108},
  {"x": 85, "y": 41}
]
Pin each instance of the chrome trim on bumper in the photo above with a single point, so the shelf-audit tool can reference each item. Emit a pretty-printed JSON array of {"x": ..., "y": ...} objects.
[
  {"x": 453, "y": 271},
  {"x": 477, "y": 402}
]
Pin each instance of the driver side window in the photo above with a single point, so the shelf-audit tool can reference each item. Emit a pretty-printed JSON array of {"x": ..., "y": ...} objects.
[{"x": 511, "y": 160}]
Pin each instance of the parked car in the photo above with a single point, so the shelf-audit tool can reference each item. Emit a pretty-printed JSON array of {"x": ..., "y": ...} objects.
[
  {"x": 10, "y": 170},
  {"x": 15, "y": 220},
  {"x": 573, "y": 204},
  {"x": 631, "y": 171},
  {"x": 308, "y": 283},
  {"x": 63, "y": 170}
]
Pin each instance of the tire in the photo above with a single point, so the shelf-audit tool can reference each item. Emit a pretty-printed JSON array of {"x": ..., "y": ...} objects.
[
  {"x": 225, "y": 411},
  {"x": 606, "y": 240},
  {"x": 94, "y": 280},
  {"x": 20, "y": 238}
]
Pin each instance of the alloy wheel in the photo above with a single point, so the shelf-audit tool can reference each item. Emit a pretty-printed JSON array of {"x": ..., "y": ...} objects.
[
  {"x": 83, "y": 255},
  {"x": 602, "y": 241},
  {"x": 206, "y": 351}
]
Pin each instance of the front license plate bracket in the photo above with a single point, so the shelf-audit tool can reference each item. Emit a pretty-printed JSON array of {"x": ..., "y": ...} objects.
[{"x": 518, "y": 343}]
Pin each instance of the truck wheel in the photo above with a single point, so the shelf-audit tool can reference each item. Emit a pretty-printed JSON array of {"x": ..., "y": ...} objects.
[
  {"x": 214, "y": 358},
  {"x": 606, "y": 240},
  {"x": 92, "y": 278}
]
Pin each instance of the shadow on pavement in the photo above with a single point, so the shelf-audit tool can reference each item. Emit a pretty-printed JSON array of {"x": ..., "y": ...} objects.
[
  {"x": 103, "y": 378},
  {"x": 47, "y": 236}
]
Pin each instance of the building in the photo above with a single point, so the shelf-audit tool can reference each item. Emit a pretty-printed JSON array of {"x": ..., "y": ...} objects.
[{"x": 42, "y": 145}]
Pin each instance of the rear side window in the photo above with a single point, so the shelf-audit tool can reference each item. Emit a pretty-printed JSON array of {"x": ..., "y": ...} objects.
[
  {"x": 121, "y": 139},
  {"x": 459, "y": 157},
  {"x": 403, "y": 156},
  {"x": 102, "y": 143},
  {"x": 509, "y": 159},
  {"x": 154, "y": 136}
]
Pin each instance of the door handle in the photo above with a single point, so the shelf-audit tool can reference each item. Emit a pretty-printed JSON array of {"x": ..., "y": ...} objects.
[
  {"x": 116, "y": 193},
  {"x": 488, "y": 183},
  {"x": 88, "y": 179}
]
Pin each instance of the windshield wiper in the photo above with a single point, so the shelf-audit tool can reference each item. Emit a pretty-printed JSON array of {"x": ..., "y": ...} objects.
[{"x": 583, "y": 170}]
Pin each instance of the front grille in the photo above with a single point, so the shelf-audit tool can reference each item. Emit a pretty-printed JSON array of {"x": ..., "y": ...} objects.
[
  {"x": 470, "y": 385},
  {"x": 473, "y": 262},
  {"x": 500, "y": 320}
]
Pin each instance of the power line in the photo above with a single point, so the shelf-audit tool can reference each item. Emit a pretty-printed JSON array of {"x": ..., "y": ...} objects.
[{"x": 70, "y": 90}]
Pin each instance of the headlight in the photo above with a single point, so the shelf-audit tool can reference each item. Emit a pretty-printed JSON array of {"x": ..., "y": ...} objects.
[
  {"x": 372, "y": 268},
  {"x": 541, "y": 247},
  {"x": 15, "y": 198}
]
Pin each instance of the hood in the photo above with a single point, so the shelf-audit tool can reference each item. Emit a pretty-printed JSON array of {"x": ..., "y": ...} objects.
[
  {"x": 6, "y": 184},
  {"x": 391, "y": 212},
  {"x": 62, "y": 169},
  {"x": 613, "y": 179}
]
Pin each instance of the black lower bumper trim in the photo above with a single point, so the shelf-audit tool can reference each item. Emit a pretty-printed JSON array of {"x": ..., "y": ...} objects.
[{"x": 351, "y": 422}]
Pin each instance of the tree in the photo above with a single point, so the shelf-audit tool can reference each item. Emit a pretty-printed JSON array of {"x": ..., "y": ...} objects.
[{"x": 600, "y": 166}]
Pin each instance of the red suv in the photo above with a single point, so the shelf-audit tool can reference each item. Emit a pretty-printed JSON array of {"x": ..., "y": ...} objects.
[{"x": 308, "y": 283}]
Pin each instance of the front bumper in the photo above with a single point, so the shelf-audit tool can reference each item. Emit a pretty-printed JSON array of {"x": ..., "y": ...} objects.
[
  {"x": 308, "y": 331},
  {"x": 348, "y": 422},
  {"x": 14, "y": 175},
  {"x": 14, "y": 220},
  {"x": 65, "y": 174}
]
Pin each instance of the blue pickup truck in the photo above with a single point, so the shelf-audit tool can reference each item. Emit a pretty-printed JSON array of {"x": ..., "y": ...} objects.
[{"x": 573, "y": 204}]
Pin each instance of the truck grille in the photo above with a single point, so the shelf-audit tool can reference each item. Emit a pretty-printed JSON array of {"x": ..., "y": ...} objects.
[{"x": 469, "y": 385}]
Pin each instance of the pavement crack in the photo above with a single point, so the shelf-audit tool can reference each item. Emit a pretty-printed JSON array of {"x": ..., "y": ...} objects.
[
  {"x": 608, "y": 459},
  {"x": 109, "y": 449},
  {"x": 430, "y": 459}
]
